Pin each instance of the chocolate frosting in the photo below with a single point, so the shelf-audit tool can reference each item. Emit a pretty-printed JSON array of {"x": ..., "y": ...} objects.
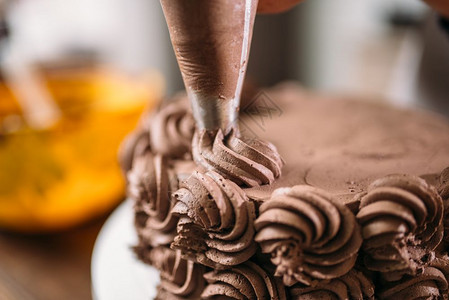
[
  {"x": 180, "y": 278},
  {"x": 135, "y": 144},
  {"x": 341, "y": 145},
  {"x": 245, "y": 281},
  {"x": 316, "y": 253},
  {"x": 401, "y": 218},
  {"x": 172, "y": 129},
  {"x": 216, "y": 226},
  {"x": 443, "y": 190},
  {"x": 151, "y": 182},
  {"x": 143, "y": 249},
  {"x": 432, "y": 283},
  {"x": 310, "y": 236},
  {"x": 249, "y": 162},
  {"x": 354, "y": 285}
]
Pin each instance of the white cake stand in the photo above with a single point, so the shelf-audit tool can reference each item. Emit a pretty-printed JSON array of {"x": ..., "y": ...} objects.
[{"x": 116, "y": 273}]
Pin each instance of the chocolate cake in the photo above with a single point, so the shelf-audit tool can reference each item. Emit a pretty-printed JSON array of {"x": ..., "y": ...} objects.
[{"x": 347, "y": 200}]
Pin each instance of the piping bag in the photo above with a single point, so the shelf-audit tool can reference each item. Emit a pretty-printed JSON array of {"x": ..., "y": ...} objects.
[{"x": 211, "y": 40}]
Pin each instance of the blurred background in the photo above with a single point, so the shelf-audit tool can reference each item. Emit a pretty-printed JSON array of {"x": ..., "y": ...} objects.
[{"x": 76, "y": 75}]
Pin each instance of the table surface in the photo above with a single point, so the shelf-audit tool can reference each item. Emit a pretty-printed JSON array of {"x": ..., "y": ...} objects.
[{"x": 48, "y": 267}]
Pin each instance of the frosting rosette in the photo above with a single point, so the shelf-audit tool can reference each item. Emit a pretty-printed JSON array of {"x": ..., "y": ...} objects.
[
  {"x": 311, "y": 237},
  {"x": 142, "y": 251},
  {"x": 245, "y": 281},
  {"x": 354, "y": 285},
  {"x": 401, "y": 219},
  {"x": 443, "y": 190},
  {"x": 135, "y": 144},
  {"x": 432, "y": 283},
  {"x": 180, "y": 278},
  {"x": 151, "y": 182},
  {"x": 216, "y": 221},
  {"x": 172, "y": 129},
  {"x": 248, "y": 162}
]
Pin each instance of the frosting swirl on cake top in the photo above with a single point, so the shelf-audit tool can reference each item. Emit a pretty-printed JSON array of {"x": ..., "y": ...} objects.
[
  {"x": 248, "y": 162},
  {"x": 310, "y": 236},
  {"x": 172, "y": 129},
  {"x": 401, "y": 218},
  {"x": 134, "y": 145}
]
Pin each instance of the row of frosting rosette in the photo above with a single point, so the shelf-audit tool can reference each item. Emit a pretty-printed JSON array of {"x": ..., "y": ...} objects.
[{"x": 209, "y": 240}]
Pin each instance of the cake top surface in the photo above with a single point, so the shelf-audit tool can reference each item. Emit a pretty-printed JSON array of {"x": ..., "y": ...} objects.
[{"x": 342, "y": 145}]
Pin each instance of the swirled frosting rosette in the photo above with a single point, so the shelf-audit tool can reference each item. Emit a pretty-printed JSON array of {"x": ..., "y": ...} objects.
[
  {"x": 180, "y": 278},
  {"x": 311, "y": 237},
  {"x": 248, "y": 162},
  {"x": 134, "y": 145},
  {"x": 151, "y": 182},
  {"x": 443, "y": 190},
  {"x": 172, "y": 129},
  {"x": 216, "y": 221},
  {"x": 245, "y": 281},
  {"x": 401, "y": 219},
  {"x": 143, "y": 250},
  {"x": 354, "y": 285},
  {"x": 431, "y": 283}
]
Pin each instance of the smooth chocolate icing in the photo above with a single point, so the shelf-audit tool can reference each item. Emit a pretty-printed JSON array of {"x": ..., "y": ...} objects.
[
  {"x": 342, "y": 145},
  {"x": 310, "y": 236},
  {"x": 217, "y": 210},
  {"x": 354, "y": 285},
  {"x": 401, "y": 219},
  {"x": 172, "y": 129},
  {"x": 249, "y": 162},
  {"x": 245, "y": 281}
]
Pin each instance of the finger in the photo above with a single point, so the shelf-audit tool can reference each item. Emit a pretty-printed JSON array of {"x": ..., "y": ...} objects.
[
  {"x": 275, "y": 6},
  {"x": 441, "y": 6}
]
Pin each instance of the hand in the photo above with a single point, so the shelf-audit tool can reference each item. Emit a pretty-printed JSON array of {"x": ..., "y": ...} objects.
[
  {"x": 277, "y": 6},
  {"x": 441, "y": 6}
]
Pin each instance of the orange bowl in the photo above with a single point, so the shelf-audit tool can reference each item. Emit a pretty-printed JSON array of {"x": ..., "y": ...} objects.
[{"x": 58, "y": 178}]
